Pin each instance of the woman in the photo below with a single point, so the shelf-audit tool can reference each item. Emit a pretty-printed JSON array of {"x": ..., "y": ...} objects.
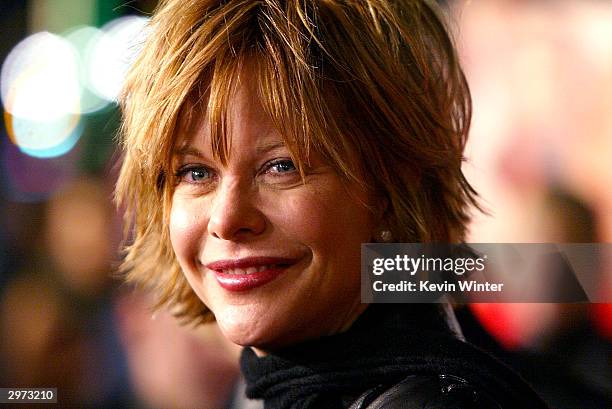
[{"x": 264, "y": 142}]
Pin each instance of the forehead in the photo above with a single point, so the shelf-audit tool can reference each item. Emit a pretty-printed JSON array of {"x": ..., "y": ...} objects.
[
  {"x": 210, "y": 123},
  {"x": 245, "y": 97}
]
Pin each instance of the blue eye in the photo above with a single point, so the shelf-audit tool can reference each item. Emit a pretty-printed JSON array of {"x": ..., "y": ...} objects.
[
  {"x": 282, "y": 166},
  {"x": 193, "y": 174}
]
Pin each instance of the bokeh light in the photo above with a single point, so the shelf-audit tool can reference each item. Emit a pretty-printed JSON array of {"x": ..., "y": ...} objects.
[
  {"x": 46, "y": 138},
  {"x": 39, "y": 78},
  {"x": 41, "y": 94},
  {"x": 84, "y": 40},
  {"x": 48, "y": 82},
  {"x": 113, "y": 53}
]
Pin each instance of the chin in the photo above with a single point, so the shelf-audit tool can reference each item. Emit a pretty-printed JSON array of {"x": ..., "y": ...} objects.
[{"x": 246, "y": 327}]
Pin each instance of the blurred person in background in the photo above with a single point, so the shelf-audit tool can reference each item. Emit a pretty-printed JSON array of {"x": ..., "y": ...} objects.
[
  {"x": 79, "y": 232},
  {"x": 57, "y": 326},
  {"x": 540, "y": 74},
  {"x": 38, "y": 346},
  {"x": 561, "y": 353},
  {"x": 173, "y": 366}
]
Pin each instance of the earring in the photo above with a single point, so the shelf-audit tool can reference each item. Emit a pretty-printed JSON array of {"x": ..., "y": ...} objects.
[{"x": 384, "y": 236}]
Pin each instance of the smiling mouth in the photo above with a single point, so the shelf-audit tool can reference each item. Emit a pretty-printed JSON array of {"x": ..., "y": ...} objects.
[
  {"x": 252, "y": 270},
  {"x": 248, "y": 273}
]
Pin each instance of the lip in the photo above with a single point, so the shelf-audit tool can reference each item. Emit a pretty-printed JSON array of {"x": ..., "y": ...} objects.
[{"x": 275, "y": 266}]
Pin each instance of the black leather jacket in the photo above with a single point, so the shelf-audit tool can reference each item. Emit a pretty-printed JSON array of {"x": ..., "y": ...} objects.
[
  {"x": 433, "y": 392},
  {"x": 427, "y": 392}
]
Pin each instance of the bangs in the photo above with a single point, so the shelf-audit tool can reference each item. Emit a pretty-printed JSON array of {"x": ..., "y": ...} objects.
[
  {"x": 296, "y": 122},
  {"x": 300, "y": 100}
]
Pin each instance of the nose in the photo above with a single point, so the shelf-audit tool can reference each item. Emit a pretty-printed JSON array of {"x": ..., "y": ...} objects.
[{"x": 234, "y": 214}]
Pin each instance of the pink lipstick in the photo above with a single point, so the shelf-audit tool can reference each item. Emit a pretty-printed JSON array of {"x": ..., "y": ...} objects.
[{"x": 248, "y": 273}]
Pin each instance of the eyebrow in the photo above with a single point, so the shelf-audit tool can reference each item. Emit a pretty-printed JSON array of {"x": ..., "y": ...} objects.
[
  {"x": 270, "y": 147},
  {"x": 190, "y": 150}
]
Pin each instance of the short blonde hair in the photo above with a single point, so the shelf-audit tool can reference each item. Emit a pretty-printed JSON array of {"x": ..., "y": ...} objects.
[{"x": 373, "y": 86}]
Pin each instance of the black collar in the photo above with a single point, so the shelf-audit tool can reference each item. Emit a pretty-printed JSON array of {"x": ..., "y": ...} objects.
[{"x": 332, "y": 371}]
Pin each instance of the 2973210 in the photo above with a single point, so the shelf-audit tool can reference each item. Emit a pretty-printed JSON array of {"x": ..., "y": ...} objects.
[{"x": 28, "y": 395}]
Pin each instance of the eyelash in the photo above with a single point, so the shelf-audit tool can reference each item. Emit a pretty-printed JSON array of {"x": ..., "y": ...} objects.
[
  {"x": 276, "y": 162},
  {"x": 184, "y": 171}
]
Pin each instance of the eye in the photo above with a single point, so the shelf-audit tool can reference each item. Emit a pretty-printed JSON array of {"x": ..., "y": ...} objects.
[
  {"x": 193, "y": 174},
  {"x": 281, "y": 166}
]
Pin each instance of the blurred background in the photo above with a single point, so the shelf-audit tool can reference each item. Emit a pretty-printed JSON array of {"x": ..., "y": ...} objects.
[{"x": 540, "y": 155}]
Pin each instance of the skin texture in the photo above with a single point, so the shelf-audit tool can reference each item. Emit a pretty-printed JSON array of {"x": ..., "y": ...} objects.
[{"x": 255, "y": 205}]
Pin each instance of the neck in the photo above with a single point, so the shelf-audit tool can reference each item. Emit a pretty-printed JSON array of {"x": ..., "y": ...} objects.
[{"x": 342, "y": 325}]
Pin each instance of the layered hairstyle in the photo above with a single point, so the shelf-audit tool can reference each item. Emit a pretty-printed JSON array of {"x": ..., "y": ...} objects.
[{"x": 372, "y": 86}]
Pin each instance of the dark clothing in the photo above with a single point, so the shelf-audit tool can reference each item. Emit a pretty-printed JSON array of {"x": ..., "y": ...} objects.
[
  {"x": 390, "y": 344},
  {"x": 426, "y": 391},
  {"x": 572, "y": 370}
]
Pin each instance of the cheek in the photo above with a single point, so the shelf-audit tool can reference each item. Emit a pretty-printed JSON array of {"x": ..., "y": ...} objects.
[
  {"x": 185, "y": 231},
  {"x": 327, "y": 220},
  {"x": 300, "y": 217}
]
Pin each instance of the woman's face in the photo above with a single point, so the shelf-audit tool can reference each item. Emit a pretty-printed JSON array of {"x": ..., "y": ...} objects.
[{"x": 277, "y": 260}]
